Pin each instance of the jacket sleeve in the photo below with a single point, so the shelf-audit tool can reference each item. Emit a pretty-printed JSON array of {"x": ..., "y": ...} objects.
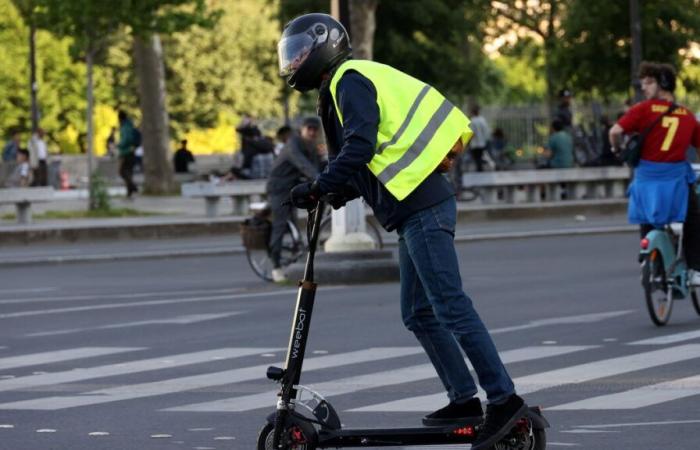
[
  {"x": 357, "y": 100},
  {"x": 299, "y": 160}
]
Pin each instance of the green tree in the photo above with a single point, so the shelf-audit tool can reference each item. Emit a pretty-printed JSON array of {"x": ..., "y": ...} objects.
[
  {"x": 594, "y": 50},
  {"x": 225, "y": 71},
  {"x": 542, "y": 21},
  {"x": 60, "y": 81},
  {"x": 147, "y": 19},
  {"x": 92, "y": 23}
]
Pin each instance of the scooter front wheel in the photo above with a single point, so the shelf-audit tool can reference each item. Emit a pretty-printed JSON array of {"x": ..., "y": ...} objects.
[{"x": 297, "y": 436}]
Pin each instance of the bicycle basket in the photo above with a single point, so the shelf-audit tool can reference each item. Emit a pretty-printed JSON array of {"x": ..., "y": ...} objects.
[{"x": 255, "y": 233}]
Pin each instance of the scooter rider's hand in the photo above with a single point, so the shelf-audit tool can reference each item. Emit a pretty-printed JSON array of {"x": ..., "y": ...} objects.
[
  {"x": 305, "y": 195},
  {"x": 337, "y": 201}
]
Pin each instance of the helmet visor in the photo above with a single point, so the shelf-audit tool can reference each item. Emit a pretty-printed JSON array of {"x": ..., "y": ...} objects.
[{"x": 293, "y": 50}]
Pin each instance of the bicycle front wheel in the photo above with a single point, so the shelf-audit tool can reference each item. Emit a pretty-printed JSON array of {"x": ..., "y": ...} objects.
[
  {"x": 657, "y": 291},
  {"x": 292, "y": 249}
]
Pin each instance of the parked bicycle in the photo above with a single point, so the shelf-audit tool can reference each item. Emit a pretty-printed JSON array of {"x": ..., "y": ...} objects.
[{"x": 256, "y": 233}]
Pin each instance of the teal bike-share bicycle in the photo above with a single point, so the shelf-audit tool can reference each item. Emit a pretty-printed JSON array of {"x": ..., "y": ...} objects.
[{"x": 665, "y": 272}]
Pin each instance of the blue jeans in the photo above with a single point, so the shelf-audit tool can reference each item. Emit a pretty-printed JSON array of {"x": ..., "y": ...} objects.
[{"x": 436, "y": 309}]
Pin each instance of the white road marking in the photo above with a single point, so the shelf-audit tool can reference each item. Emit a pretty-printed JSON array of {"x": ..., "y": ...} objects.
[
  {"x": 668, "y": 339},
  {"x": 582, "y": 318},
  {"x": 215, "y": 298},
  {"x": 182, "y": 320},
  {"x": 29, "y": 290},
  {"x": 586, "y": 431},
  {"x": 128, "y": 367},
  {"x": 569, "y": 375},
  {"x": 35, "y": 359},
  {"x": 640, "y": 397},
  {"x": 641, "y": 424},
  {"x": 133, "y": 295},
  {"x": 367, "y": 381},
  {"x": 193, "y": 382}
]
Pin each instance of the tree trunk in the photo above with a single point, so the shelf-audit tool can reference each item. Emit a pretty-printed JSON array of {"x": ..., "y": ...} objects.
[
  {"x": 362, "y": 24},
  {"x": 32, "y": 76},
  {"x": 89, "y": 61},
  {"x": 549, "y": 46},
  {"x": 148, "y": 62},
  {"x": 636, "y": 50}
]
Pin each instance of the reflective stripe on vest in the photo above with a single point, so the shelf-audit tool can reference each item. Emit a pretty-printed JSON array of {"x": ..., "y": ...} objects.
[{"x": 417, "y": 126}]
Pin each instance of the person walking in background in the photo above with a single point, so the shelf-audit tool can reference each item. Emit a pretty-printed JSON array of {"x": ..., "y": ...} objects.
[
  {"x": 253, "y": 144},
  {"x": 111, "y": 150},
  {"x": 21, "y": 176},
  {"x": 560, "y": 147},
  {"x": 298, "y": 161},
  {"x": 127, "y": 158},
  {"x": 182, "y": 158},
  {"x": 9, "y": 152},
  {"x": 282, "y": 136},
  {"x": 38, "y": 155},
  {"x": 480, "y": 141},
  {"x": 563, "y": 112}
]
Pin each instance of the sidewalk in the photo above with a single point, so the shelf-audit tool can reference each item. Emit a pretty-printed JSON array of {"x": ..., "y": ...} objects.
[{"x": 181, "y": 229}]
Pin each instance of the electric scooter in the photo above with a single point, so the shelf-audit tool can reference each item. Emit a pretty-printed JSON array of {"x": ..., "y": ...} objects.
[{"x": 304, "y": 420}]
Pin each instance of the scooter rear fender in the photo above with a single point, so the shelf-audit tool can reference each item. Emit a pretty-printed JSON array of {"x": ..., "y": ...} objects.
[
  {"x": 535, "y": 415},
  {"x": 658, "y": 240}
]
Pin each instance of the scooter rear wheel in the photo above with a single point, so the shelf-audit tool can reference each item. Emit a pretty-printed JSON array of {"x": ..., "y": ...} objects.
[
  {"x": 657, "y": 292},
  {"x": 298, "y": 436}
]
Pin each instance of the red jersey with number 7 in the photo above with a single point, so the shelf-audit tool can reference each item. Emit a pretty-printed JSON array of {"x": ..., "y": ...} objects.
[{"x": 670, "y": 138}]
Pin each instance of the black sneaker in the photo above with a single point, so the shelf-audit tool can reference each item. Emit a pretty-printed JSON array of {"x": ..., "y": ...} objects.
[
  {"x": 498, "y": 422},
  {"x": 469, "y": 411}
]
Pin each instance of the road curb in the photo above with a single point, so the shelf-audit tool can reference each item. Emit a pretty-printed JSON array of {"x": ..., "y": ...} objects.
[
  {"x": 175, "y": 227},
  {"x": 234, "y": 250}
]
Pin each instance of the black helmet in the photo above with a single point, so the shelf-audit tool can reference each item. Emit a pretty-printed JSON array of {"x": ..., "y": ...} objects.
[{"x": 311, "y": 45}]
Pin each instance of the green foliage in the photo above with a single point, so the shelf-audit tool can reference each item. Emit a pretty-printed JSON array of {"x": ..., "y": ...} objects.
[
  {"x": 437, "y": 42},
  {"x": 594, "y": 53},
  {"x": 60, "y": 80},
  {"x": 225, "y": 71},
  {"x": 517, "y": 75},
  {"x": 99, "y": 197}
]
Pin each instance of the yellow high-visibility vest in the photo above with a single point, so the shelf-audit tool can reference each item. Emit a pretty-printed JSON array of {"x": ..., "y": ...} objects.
[{"x": 417, "y": 126}]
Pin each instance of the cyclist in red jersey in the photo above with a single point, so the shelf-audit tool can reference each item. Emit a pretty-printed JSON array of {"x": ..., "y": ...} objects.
[{"x": 662, "y": 190}]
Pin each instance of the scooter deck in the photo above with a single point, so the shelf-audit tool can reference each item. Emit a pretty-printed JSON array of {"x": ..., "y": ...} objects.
[{"x": 379, "y": 437}]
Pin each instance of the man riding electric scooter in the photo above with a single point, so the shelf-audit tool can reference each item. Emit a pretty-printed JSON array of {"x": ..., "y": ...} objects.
[{"x": 391, "y": 137}]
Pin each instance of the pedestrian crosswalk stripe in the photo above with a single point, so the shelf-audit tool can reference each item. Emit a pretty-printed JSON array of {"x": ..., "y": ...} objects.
[
  {"x": 668, "y": 339},
  {"x": 569, "y": 375},
  {"x": 95, "y": 307},
  {"x": 640, "y": 397},
  {"x": 35, "y": 359},
  {"x": 193, "y": 382},
  {"x": 127, "y": 367},
  {"x": 369, "y": 381}
]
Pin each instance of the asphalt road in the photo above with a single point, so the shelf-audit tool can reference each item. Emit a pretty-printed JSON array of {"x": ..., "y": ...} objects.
[{"x": 171, "y": 354}]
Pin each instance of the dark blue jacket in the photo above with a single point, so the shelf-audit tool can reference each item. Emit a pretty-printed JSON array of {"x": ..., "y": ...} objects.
[{"x": 351, "y": 146}]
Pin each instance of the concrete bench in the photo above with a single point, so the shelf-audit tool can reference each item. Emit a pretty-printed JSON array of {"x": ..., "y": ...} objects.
[
  {"x": 533, "y": 186},
  {"x": 242, "y": 192},
  {"x": 23, "y": 199}
]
